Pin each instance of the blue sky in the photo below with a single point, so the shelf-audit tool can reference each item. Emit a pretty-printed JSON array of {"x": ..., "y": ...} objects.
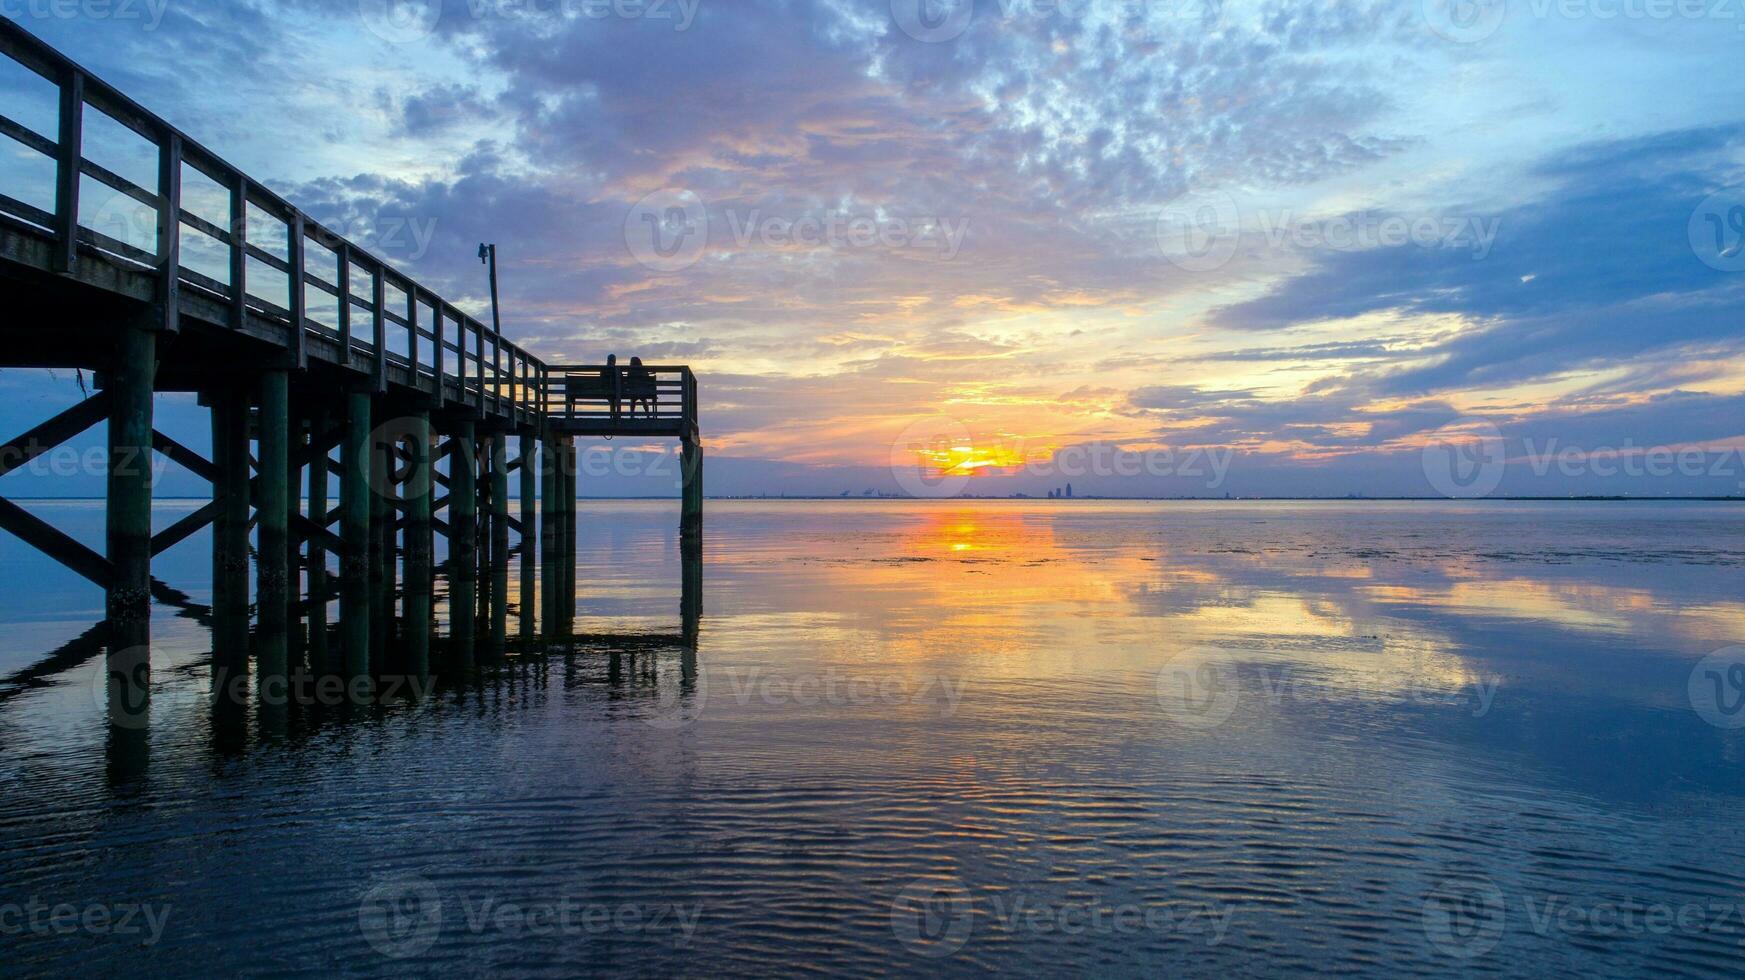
[{"x": 1309, "y": 238}]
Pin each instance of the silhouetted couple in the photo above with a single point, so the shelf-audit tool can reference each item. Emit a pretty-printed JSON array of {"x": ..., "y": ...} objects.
[{"x": 637, "y": 385}]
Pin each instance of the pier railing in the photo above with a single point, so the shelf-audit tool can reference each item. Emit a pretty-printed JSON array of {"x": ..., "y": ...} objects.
[
  {"x": 329, "y": 295},
  {"x": 587, "y": 398}
]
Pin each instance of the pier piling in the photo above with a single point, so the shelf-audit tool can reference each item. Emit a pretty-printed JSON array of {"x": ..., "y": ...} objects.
[
  {"x": 273, "y": 575},
  {"x": 419, "y": 545},
  {"x": 463, "y": 538},
  {"x": 354, "y": 560},
  {"x": 230, "y": 491},
  {"x": 529, "y": 539},
  {"x": 128, "y": 603}
]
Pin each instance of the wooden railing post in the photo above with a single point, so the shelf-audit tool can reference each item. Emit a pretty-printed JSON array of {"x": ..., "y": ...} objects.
[
  {"x": 297, "y": 254},
  {"x": 344, "y": 284},
  {"x": 170, "y": 230},
  {"x": 379, "y": 299},
  {"x": 239, "y": 252},
  {"x": 440, "y": 346},
  {"x": 67, "y": 172}
]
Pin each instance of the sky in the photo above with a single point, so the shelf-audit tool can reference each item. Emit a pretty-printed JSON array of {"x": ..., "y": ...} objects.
[{"x": 1147, "y": 247}]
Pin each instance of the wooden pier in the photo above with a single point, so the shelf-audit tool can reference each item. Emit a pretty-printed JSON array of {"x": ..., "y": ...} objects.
[{"x": 306, "y": 347}]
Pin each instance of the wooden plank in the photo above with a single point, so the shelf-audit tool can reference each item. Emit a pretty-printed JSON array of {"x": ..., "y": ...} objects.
[
  {"x": 32, "y": 530},
  {"x": 20, "y": 451}
]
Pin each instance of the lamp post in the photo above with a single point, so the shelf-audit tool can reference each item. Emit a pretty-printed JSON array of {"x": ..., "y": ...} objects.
[{"x": 488, "y": 256}]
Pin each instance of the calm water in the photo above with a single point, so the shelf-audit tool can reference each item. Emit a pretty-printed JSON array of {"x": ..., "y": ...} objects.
[{"x": 1170, "y": 739}]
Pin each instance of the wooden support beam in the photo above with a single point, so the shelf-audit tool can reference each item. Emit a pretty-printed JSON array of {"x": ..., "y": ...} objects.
[
  {"x": 183, "y": 529},
  {"x": 239, "y": 254},
  {"x": 20, "y": 451},
  {"x": 190, "y": 460},
  {"x": 321, "y": 540},
  {"x": 42, "y": 536}
]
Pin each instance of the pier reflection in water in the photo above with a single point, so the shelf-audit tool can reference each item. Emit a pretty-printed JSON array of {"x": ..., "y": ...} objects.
[
  {"x": 245, "y": 704},
  {"x": 959, "y": 707}
]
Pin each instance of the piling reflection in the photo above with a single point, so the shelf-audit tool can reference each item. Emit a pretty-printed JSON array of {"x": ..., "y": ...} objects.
[{"x": 249, "y": 704}]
